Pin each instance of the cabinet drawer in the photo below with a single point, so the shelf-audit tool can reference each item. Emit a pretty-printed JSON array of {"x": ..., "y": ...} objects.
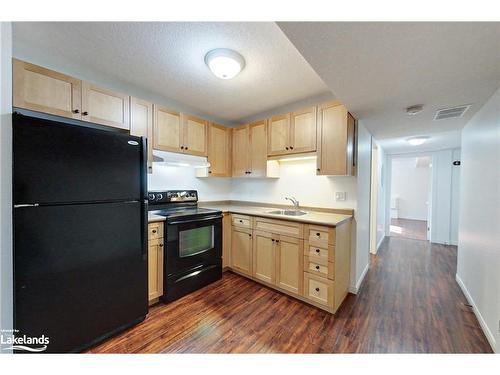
[
  {"x": 327, "y": 253},
  {"x": 319, "y": 266},
  {"x": 242, "y": 221},
  {"x": 286, "y": 228},
  {"x": 155, "y": 231},
  {"x": 318, "y": 289},
  {"x": 320, "y": 236}
]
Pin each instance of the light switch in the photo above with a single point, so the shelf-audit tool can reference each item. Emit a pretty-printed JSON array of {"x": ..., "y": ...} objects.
[{"x": 340, "y": 195}]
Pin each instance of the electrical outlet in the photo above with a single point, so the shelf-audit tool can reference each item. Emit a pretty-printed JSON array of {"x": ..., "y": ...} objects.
[{"x": 340, "y": 195}]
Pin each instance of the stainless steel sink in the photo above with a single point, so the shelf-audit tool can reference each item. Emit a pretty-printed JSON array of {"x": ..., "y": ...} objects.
[{"x": 288, "y": 212}]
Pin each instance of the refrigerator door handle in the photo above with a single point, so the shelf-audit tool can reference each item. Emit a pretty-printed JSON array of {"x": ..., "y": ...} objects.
[
  {"x": 145, "y": 230},
  {"x": 26, "y": 205}
]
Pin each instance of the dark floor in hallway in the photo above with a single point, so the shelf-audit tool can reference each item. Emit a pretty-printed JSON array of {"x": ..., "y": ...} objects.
[
  {"x": 407, "y": 228},
  {"x": 409, "y": 302}
]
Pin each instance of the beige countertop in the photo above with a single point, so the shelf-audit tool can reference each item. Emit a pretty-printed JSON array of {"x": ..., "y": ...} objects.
[
  {"x": 312, "y": 217},
  {"x": 154, "y": 218}
]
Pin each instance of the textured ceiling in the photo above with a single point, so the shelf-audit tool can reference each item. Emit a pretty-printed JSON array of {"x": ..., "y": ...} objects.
[
  {"x": 379, "y": 69},
  {"x": 168, "y": 59}
]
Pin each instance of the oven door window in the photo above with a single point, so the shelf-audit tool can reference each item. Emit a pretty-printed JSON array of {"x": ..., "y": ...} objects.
[{"x": 195, "y": 241}]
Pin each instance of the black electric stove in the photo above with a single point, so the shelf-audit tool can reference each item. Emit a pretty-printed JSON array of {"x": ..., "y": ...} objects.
[{"x": 193, "y": 237}]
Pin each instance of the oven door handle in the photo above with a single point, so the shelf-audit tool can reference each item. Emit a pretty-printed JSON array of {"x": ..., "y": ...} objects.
[{"x": 195, "y": 220}]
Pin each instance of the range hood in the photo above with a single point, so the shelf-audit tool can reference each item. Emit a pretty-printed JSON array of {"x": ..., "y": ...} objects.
[{"x": 179, "y": 160}]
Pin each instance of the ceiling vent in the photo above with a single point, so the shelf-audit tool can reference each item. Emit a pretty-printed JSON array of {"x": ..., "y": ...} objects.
[{"x": 455, "y": 112}]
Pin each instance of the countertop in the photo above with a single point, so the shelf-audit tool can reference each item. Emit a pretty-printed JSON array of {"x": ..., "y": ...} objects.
[
  {"x": 312, "y": 217},
  {"x": 154, "y": 218}
]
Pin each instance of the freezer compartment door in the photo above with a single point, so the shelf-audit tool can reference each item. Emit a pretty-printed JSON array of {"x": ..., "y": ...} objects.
[
  {"x": 62, "y": 163},
  {"x": 80, "y": 272}
]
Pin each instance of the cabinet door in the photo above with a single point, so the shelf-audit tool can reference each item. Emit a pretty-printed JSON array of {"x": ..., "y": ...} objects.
[
  {"x": 278, "y": 131},
  {"x": 195, "y": 135},
  {"x": 105, "y": 107},
  {"x": 332, "y": 140},
  {"x": 44, "y": 90},
  {"x": 303, "y": 130},
  {"x": 258, "y": 149},
  {"x": 155, "y": 268},
  {"x": 241, "y": 250},
  {"x": 264, "y": 257},
  {"x": 219, "y": 150},
  {"x": 226, "y": 240},
  {"x": 241, "y": 149},
  {"x": 167, "y": 129},
  {"x": 141, "y": 124},
  {"x": 289, "y": 264}
]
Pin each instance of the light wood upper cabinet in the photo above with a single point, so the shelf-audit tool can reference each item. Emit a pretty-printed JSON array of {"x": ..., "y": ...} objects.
[
  {"x": 141, "y": 124},
  {"x": 241, "y": 151},
  {"x": 264, "y": 257},
  {"x": 336, "y": 130},
  {"x": 303, "y": 131},
  {"x": 278, "y": 142},
  {"x": 105, "y": 107},
  {"x": 258, "y": 149},
  {"x": 241, "y": 250},
  {"x": 43, "y": 90},
  {"x": 219, "y": 150},
  {"x": 195, "y": 135},
  {"x": 167, "y": 129},
  {"x": 292, "y": 133},
  {"x": 289, "y": 264}
]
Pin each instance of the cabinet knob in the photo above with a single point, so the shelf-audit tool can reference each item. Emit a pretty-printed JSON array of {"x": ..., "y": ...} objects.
[
  {"x": 277, "y": 241},
  {"x": 241, "y": 221},
  {"x": 291, "y": 147},
  {"x": 317, "y": 250},
  {"x": 85, "y": 113},
  {"x": 318, "y": 169},
  {"x": 249, "y": 235},
  {"x": 272, "y": 239},
  {"x": 185, "y": 148},
  {"x": 161, "y": 245},
  {"x": 76, "y": 111},
  {"x": 286, "y": 148},
  {"x": 318, "y": 234},
  {"x": 154, "y": 230},
  {"x": 182, "y": 147},
  {"x": 317, "y": 267},
  {"x": 316, "y": 289}
]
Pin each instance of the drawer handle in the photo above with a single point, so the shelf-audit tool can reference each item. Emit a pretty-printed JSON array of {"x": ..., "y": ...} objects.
[
  {"x": 317, "y": 250},
  {"x": 317, "y": 267},
  {"x": 316, "y": 289},
  {"x": 154, "y": 230}
]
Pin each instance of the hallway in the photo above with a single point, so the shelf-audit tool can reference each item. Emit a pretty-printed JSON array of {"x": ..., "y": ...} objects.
[
  {"x": 406, "y": 228},
  {"x": 409, "y": 303}
]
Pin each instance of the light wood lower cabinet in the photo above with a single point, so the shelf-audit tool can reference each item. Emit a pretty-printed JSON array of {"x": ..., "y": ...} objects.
[
  {"x": 226, "y": 240},
  {"x": 289, "y": 264},
  {"x": 241, "y": 250},
  {"x": 155, "y": 261},
  {"x": 264, "y": 257},
  {"x": 309, "y": 262}
]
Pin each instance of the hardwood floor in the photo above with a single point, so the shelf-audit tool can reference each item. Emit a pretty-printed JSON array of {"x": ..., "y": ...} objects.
[
  {"x": 413, "y": 229},
  {"x": 408, "y": 303}
]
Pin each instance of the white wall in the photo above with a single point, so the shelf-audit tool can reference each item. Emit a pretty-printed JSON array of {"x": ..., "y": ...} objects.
[
  {"x": 478, "y": 269},
  {"x": 360, "y": 257},
  {"x": 172, "y": 178},
  {"x": 298, "y": 179},
  {"x": 381, "y": 195},
  {"x": 444, "y": 196},
  {"x": 411, "y": 185},
  {"x": 6, "y": 293}
]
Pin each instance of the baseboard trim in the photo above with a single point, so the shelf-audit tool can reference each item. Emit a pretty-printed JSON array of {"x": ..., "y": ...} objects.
[
  {"x": 355, "y": 289},
  {"x": 482, "y": 323}
]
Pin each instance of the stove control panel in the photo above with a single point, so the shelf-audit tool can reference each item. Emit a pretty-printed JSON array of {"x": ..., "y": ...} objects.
[{"x": 172, "y": 196}]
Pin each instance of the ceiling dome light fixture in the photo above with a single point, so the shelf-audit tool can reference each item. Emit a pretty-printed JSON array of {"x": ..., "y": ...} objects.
[
  {"x": 417, "y": 141},
  {"x": 224, "y": 63},
  {"x": 414, "y": 109}
]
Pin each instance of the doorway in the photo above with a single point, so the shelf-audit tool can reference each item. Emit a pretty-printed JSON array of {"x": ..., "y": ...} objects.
[{"x": 410, "y": 197}]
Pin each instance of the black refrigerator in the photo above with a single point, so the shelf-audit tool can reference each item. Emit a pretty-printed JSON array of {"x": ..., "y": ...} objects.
[{"x": 80, "y": 227}]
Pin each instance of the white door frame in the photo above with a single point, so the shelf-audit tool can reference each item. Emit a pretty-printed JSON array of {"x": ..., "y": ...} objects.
[{"x": 373, "y": 197}]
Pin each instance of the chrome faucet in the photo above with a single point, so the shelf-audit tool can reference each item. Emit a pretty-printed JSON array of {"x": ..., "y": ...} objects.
[{"x": 294, "y": 201}]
